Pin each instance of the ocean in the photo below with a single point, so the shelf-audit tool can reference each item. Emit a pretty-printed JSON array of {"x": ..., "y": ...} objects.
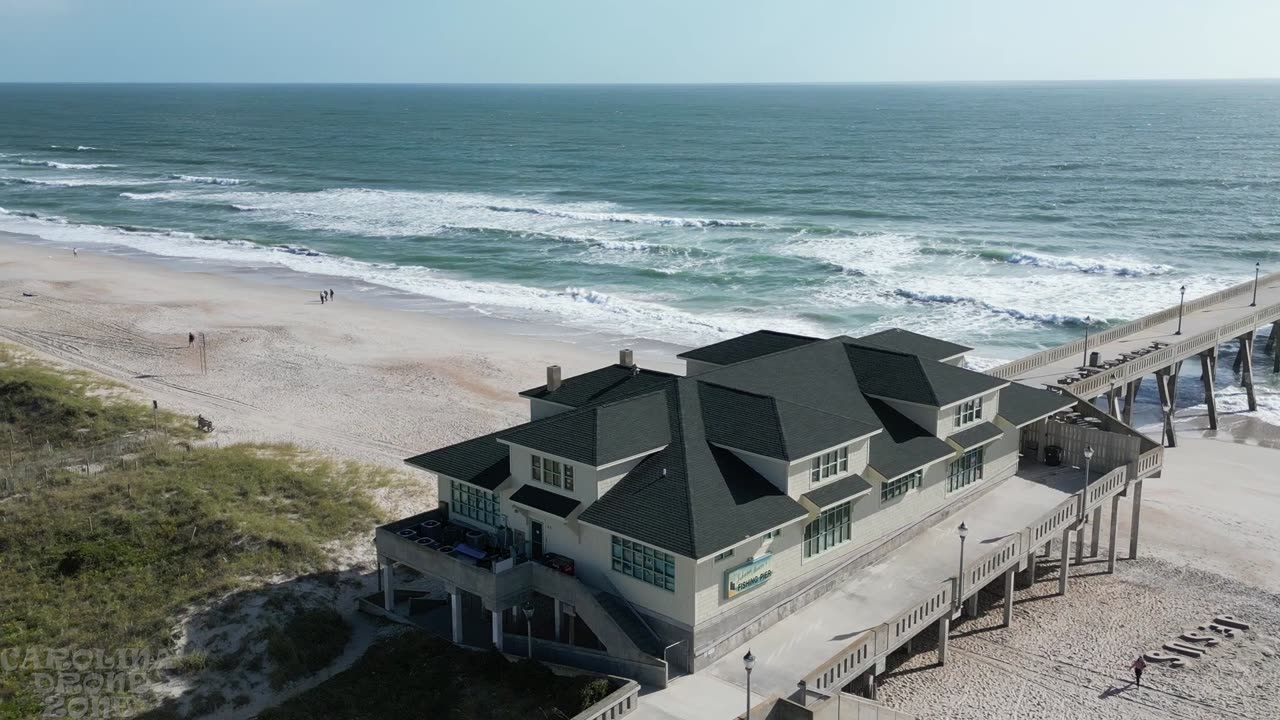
[{"x": 1001, "y": 216}]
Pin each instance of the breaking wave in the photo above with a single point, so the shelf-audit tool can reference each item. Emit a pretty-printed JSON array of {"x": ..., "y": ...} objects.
[
  {"x": 1122, "y": 268},
  {"x": 63, "y": 166},
  {"x": 1058, "y": 319},
  {"x": 78, "y": 148},
  {"x": 207, "y": 180},
  {"x": 631, "y": 218}
]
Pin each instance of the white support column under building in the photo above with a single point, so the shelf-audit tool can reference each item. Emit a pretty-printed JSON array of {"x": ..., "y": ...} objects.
[
  {"x": 1135, "y": 489},
  {"x": 388, "y": 585},
  {"x": 559, "y": 612},
  {"x": 1080, "y": 542},
  {"x": 1062, "y": 563},
  {"x": 971, "y": 605},
  {"x": 1207, "y": 373},
  {"x": 1246, "y": 372},
  {"x": 1111, "y": 547},
  {"x": 1095, "y": 538},
  {"x": 455, "y": 614},
  {"x": 944, "y": 636},
  {"x": 1008, "y": 595},
  {"x": 496, "y": 621}
]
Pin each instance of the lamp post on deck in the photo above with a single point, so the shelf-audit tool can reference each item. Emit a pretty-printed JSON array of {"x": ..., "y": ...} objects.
[
  {"x": 1181, "y": 298},
  {"x": 748, "y": 662},
  {"x": 528, "y": 626},
  {"x": 963, "y": 532},
  {"x": 1257, "y": 268}
]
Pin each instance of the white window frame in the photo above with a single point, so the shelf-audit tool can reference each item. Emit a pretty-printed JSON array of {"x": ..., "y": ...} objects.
[
  {"x": 829, "y": 465},
  {"x": 644, "y": 563},
  {"x": 831, "y": 529},
  {"x": 899, "y": 487},
  {"x": 966, "y": 469},
  {"x": 551, "y": 472},
  {"x": 724, "y": 555},
  {"x": 967, "y": 413}
]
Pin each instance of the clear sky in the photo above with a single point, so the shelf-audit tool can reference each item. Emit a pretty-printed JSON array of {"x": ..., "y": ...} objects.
[{"x": 624, "y": 41}]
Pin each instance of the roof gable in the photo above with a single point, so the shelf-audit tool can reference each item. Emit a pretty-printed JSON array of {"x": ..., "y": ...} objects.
[
  {"x": 914, "y": 344},
  {"x": 599, "y": 434},
  {"x": 606, "y": 384},
  {"x": 747, "y": 347}
]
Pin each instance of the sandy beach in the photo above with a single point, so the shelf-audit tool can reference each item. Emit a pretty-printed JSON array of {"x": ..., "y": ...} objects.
[{"x": 377, "y": 384}]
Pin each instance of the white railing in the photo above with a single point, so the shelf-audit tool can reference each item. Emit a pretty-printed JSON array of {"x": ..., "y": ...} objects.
[
  {"x": 1079, "y": 347},
  {"x": 1105, "y": 486},
  {"x": 1049, "y": 525},
  {"x": 1148, "y": 462},
  {"x": 978, "y": 574},
  {"x": 619, "y": 703}
]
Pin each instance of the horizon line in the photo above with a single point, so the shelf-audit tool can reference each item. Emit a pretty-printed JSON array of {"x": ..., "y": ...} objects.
[{"x": 774, "y": 83}]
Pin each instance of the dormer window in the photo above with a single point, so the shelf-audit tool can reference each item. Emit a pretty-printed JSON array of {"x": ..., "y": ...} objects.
[
  {"x": 551, "y": 472},
  {"x": 828, "y": 465},
  {"x": 968, "y": 412}
]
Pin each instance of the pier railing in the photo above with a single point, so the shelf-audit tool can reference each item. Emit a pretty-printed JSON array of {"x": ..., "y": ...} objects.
[
  {"x": 1105, "y": 380},
  {"x": 1079, "y": 347}
]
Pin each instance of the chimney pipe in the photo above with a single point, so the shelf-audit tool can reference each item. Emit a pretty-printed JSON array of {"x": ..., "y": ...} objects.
[
  {"x": 553, "y": 378},
  {"x": 626, "y": 358}
]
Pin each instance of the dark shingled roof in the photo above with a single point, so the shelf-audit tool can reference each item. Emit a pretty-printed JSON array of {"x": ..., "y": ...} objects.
[
  {"x": 691, "y": 498},
  {"x": 903, "y": 446},
  {"x": 607, "y": 384},
  {"x": 599, "y": 434},
  {"x": 818, "y": 376},
  {"x": 481, "y": 461},
  {"x": 771, "y": 427},
  {"x": 545, "y": 500},
  {"x": 914, "y": 344},
  {"x": 1021, "y": 405},
  {"x": 747, "y": 347},
  {"x": 838, "y": 491},
  {"x": 899, "y": 376},
  {"x": 972, "y": 437}
]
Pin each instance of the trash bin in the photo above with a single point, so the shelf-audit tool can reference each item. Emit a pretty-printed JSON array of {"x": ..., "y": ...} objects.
[
  {"x": 1052, "y": 455},
  {"x": 1095, "y": 359}
]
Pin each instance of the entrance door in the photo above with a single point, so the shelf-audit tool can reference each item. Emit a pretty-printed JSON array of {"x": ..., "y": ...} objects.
[{"x": 535, "y": 530}]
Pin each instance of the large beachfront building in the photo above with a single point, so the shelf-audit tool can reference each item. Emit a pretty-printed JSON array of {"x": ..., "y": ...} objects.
[{"x": 652, "y": 522}]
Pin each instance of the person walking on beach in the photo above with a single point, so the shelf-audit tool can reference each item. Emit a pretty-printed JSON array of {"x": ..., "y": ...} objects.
[
  {"x": 1138, "y": 666},
  {"x": 321, "y": 297},
  {"x": 330, "y": 294},
  {"x": 191, "y": 339},
  {"x": 75, "y": 252}
]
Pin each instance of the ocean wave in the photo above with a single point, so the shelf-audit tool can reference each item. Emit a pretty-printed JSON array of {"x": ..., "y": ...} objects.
[
  {"x": 869, "y": 254},
  {"x": 78, "y": 148},
  {"x": 1058, "y": 319},
  {"x": 166, "y": 195},
  {"x": 631, "y": 218},
  {"x": 1116, "y": 266},
  {"x": 207, "y": 180},
  {"x": 579, "y": 307},
  {"x": 64, "y": 166},
  {"x": 74, "y": 181}
]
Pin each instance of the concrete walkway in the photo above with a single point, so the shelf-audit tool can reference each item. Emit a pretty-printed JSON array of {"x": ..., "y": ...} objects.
[{"x": 796, "y": 645}]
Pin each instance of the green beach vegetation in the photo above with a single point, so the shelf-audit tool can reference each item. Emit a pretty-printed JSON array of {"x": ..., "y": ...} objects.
[{"x": 113, "y": 524}]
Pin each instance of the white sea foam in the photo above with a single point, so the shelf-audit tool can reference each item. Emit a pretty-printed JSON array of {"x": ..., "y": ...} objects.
[
  {"x": 401, "y": 213},
  {"x": 575, "y": 306},
  {"x": 66, "y": 182},
  {"x": 1123, "y": 267},
  {"x": 874, "y": 254},
  {"x": 78, "y": 148},
  {"x": 64, "y": 166},
  {"x": 154, "y": 195},
  {"x": 207, "y": 180}
]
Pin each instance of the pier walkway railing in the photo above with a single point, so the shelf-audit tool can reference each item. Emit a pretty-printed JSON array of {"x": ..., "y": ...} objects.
[{"x": 1268, "y": 286}]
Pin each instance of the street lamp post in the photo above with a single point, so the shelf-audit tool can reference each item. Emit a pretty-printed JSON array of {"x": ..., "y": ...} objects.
[
  {"x": 963, "y": 532},
  {"x": 528, "y": 626},
  {"x": 1257, "y": 268},
  {"x": 748, "y": 662},
  {"x": 1182, "y": 297},
  {"x": 1088, "y": 455},
  {"x": 1086, "y": 340}
]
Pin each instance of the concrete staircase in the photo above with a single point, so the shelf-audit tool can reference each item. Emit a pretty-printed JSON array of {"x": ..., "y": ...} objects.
[{"x": 630, "y": 623}]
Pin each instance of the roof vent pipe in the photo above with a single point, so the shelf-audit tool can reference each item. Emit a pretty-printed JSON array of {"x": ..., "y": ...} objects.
[
  {"x": 626, "y": 358},
  {"x": 553, "y": 378}
]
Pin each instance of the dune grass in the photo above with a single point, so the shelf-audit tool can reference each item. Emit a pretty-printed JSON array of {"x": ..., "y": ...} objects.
[{"x": 109, "y": 560}]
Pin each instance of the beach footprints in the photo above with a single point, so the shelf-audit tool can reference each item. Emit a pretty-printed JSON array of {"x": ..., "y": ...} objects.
[{"x": 1195, "y": 644}]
